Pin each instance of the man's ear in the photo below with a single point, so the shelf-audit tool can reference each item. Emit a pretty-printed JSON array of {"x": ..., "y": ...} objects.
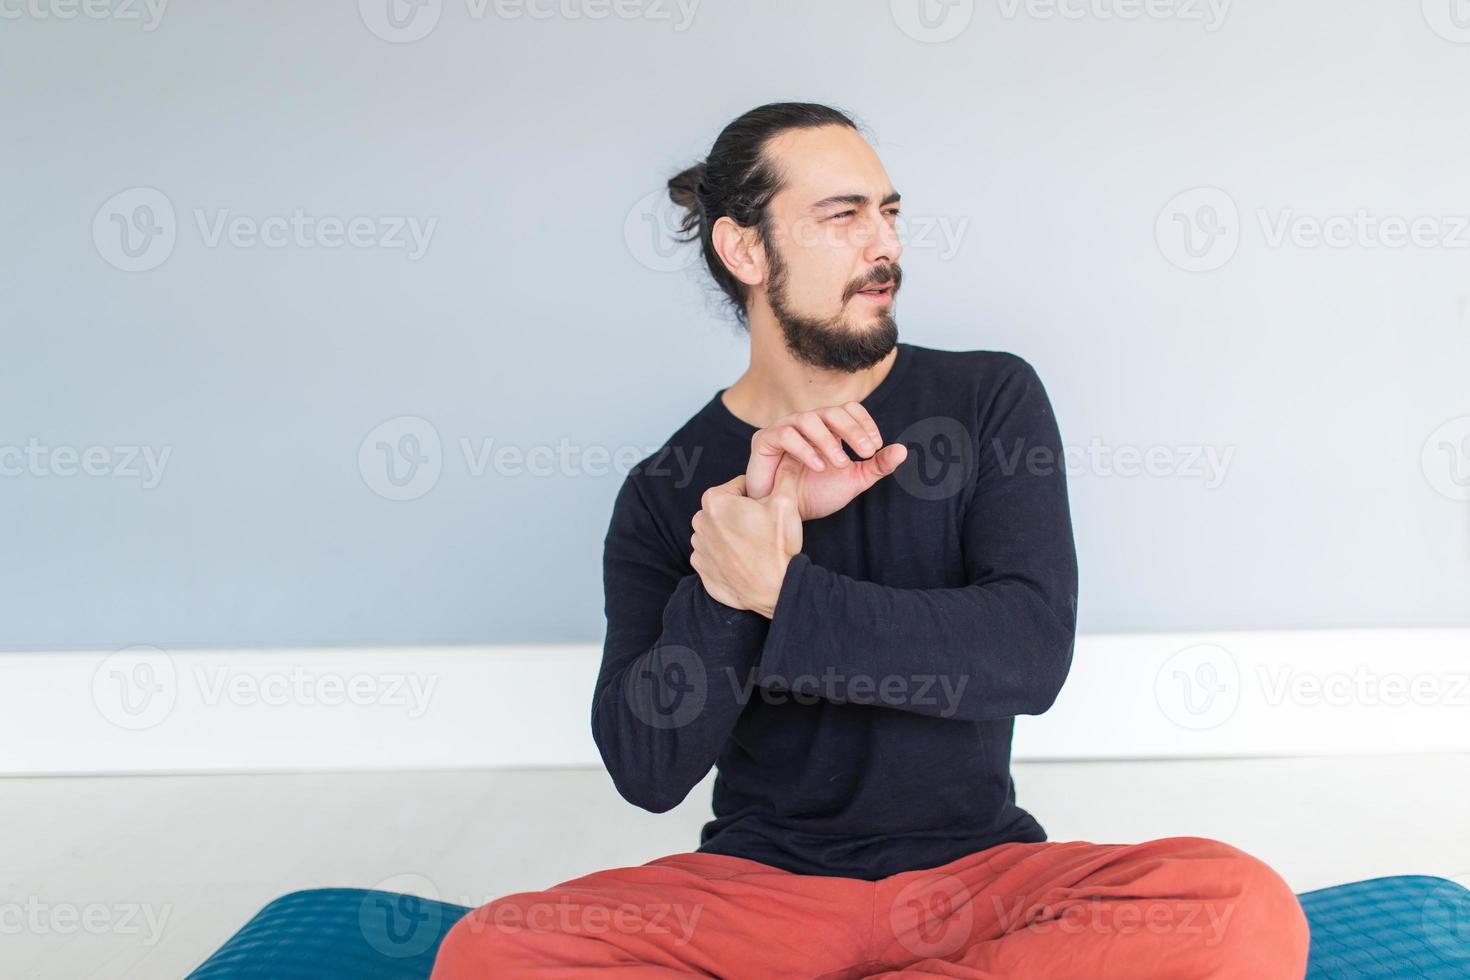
[{"x": 740, "y": 249}]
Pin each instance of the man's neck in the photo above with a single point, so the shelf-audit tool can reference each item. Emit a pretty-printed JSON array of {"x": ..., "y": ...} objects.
[{"x": 776, "y": 385}]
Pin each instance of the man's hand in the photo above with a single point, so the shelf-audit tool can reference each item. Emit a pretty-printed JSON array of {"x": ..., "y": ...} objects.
[
  {"x": 742, "y": 546},
  {"x": 828, "y": 480}
]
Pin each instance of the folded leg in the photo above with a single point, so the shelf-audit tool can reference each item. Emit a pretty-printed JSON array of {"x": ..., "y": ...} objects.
[
  {"x": 681, "y": 915},
  {"x": 1182, "y": 908}
]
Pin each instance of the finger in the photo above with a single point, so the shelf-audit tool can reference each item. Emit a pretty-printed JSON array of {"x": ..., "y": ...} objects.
[
  {"x": 819, "y": 434},
  {"x": 866, "y": 421},
  {"x": 735, "y": 485},
  {"x": 853, "y": 432},
  {"x": 760, "y": 473},
  {"x": 730, "y": 488},
  {"x": 768, "y": 447},
  {"x": 787, "y": 480},
  {"x": 797, "y": 443}
]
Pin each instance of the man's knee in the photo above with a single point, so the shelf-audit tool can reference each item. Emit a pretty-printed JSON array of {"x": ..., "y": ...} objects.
[{"x": 1253, "y": 921}]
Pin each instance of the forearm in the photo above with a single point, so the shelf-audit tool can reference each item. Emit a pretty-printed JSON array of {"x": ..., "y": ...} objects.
[
  {"x": 662, "y": 710},
  {"x": 992, "y": 649}
]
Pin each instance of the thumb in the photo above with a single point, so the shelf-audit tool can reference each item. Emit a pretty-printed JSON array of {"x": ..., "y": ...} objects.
[
  {"x": 882, "y": 463},
  {"x": 787, "y": 479}
]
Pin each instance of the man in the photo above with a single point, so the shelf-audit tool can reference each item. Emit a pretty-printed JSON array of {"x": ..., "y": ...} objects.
[{"x": 870, "y": 573}]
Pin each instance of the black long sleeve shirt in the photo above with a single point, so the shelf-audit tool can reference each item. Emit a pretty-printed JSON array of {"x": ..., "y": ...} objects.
[{"x": 865, "y": 729}]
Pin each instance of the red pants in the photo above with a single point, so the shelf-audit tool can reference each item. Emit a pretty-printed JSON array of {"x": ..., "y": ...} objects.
[{"x": 1175, "y": 908}]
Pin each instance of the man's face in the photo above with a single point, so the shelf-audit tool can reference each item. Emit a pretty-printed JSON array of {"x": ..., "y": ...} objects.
[{"x": 831, "y": 237}]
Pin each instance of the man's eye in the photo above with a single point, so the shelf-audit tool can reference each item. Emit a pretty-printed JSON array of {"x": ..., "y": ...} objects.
[{"x": 845, "y": 214}]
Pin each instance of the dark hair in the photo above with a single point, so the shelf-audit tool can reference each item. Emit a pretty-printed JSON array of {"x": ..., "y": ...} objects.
[{"x": 738, "y": 180}]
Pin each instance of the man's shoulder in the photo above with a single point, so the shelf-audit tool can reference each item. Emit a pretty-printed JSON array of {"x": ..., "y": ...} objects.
[
  {"x": 968, "y": 362},
  {"x": 985, "y": 390},
  {"x": 663, "y": 477},
  {"x": 980, "y": 369}
]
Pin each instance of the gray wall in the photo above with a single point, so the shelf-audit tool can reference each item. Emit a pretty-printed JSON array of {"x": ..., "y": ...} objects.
[{"x": 1041, "y": 151}]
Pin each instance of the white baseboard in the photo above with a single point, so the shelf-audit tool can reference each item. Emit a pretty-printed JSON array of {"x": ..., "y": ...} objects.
[{"x": 1158, "y": 695}]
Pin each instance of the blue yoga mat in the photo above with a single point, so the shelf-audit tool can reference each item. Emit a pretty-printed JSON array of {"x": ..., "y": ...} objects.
[{"x": 1404, "y": 926}]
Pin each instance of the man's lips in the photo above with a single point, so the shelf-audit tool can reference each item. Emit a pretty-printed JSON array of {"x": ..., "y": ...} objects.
[{"x": 880, "y": 294}]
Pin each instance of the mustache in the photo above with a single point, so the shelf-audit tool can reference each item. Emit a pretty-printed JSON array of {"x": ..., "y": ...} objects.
[{"x": 888, "y": 275}]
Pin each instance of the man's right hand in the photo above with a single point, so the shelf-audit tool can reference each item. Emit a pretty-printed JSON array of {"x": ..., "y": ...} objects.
[{"x": 828, "y": 480}]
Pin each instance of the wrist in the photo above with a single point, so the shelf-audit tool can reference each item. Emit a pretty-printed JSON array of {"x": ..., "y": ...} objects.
[{"x": 765, "y": 603}]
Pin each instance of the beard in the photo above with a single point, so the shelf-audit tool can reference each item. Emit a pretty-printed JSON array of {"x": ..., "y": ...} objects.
[{"x": 835, "y": 343}]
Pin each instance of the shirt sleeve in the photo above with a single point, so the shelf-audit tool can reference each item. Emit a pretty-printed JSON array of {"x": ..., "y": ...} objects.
[
  {"x": 675, "y": 662},
  {"x": 994, "y": 648}
]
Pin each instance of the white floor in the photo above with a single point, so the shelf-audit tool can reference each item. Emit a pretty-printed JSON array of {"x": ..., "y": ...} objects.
[{"x": 144, "y": 876}]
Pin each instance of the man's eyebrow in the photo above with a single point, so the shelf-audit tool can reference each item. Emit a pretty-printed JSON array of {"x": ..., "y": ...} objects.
[{"x": 858, "y": 200}]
